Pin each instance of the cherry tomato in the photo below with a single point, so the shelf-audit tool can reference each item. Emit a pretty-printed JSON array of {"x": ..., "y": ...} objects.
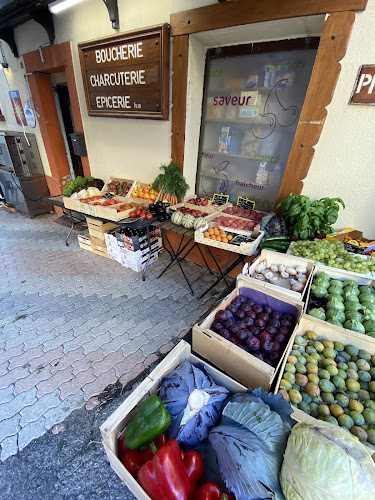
[
  {"x": 143, "y": 216},
  {"x": 149, "y": 216},
  {"x": 132, "y": 215},
  {"x": 138, "y": 213}
]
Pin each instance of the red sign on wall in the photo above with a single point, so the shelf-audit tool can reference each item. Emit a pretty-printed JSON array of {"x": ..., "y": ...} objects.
[{"x": 364, "y": 88}]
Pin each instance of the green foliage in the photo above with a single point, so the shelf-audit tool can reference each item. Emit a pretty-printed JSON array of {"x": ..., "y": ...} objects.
[
  {"x": 171, "y": 181},
  {"x": 306, "y": 218},
  {"x": 76, "y": 185}
]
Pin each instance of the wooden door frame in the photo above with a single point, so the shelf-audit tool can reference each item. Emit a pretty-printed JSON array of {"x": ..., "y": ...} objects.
[
  {"x": 57, "y": 58},
  {"x": 332, "y": 48}
]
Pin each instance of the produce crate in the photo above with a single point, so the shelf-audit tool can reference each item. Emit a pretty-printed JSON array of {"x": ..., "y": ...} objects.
[
  {"x": 209, "y": 205},
  {"x": 279, "y": 259},
  {"x": 241, "y": 365},
  {"x": 114, "y": 425},
  {"x": 342, "y": 276},
  {"x": 324, "y": 331},
  {"x": 237, "y": 219},
  {"x": 98, "y": 228},
  {"x": 98, "y": 246},
  {"x": 245, "y": 248},
  {"x": 116, "y": 179},
  {"x": 209, "y": 209},
  {"x": 84, "y": 242}
]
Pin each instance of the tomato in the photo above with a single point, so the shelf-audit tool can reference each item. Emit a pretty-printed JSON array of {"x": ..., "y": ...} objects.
[
  {"x": 138, "y": 213},
  {"x": 112, "y": 201},
  {"x": 97, "y": 203},
  {"x": 143, "y": 216},
  {"x": 132, "y": 215},
  {"x": 149, "y": 216}
]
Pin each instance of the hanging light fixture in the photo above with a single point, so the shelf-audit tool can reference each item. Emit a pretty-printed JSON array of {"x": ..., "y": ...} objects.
[{"x": 60, "y": 5}]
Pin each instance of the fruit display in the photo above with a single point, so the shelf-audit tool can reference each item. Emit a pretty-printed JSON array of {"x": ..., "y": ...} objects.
[
  {"x": 199, "y": 202},
  {"x": 275, "y": 242},
  {"x": 125, "y": 206},
  {"x": 258, "y": 329},
  {"x": 235, "y": 223},
  {"x": 189, "y": 218},
  {"x": 145, "y": 192},
  {"x": 343, "y": 303},
  {"x": 332, "y": 254},
  {"x": 244, "y": 213},
  {"x": 140, "y": 211},
  {"x": 332, "y": 382},
  {"x": 290, "y": 277},
  {"x": 218, "y": 235},
  {"x": 119, "y": 188},
  {"x": 171, "y": 183}
]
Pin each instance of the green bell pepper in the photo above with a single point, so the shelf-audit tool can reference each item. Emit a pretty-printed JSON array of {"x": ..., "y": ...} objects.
[{"x": 151, "y": 420}]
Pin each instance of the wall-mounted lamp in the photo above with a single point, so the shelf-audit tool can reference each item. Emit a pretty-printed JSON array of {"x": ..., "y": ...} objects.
[{"x": 60, "y": 5}]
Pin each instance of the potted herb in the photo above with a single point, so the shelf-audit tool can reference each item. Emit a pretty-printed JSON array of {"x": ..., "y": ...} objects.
[
  {"x": 306, "y": 219},
  {"x": 172, "y": 183}
]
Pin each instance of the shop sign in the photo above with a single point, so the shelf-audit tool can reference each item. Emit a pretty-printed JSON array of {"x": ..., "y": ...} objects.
[
  {"x": 17, "y": 107},
  {"x": 364, "y": 88},
  {"x": 127, "y": 75}
]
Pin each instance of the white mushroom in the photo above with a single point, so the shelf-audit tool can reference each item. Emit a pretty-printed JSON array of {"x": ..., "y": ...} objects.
[
  {"x": 298, "y": 287},
  {"x": 260, "y": 267},
  {"x": 269, "y": 275},
  {"x": 267, "y": 263},
  {"x": 274, "y": 268},
  {"x": 259, "y": 277},
  {"x": 282, "y": 268},
  {"x": 291, "y": 271},
  {"x": 284, "y": 274},
  {"x": 274, "y": 280},
  {"x": 301, "y": 269},
  {"x": 302, "y": 280},
  {"x": 293, "y": 281},
  {"x": 300, "y": 275}
]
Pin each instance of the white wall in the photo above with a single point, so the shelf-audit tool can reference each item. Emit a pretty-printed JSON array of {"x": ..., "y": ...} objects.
[{"x": 344, "y": 161}]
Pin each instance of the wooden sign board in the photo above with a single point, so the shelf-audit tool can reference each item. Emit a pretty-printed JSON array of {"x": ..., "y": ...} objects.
[
  {"x": 127, "y": 75},
  {"x": 364, "y": 88}
]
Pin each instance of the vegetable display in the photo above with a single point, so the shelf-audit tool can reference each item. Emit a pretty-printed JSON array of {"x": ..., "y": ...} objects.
[
  {"x": 290, "y": 277},
  {"x": 305, "y": 218},
  {"x": 332, "y": 254},
  {"x": 324, "y": 461},
  {"x": 332, "y": 382},
  {"x": 171, "y": 182},
  {"x": 80, "y": 183},
  {"x": 250, "y": 442},
  {"x": 259, "y": 329},
  {"x": 276, "y": 242},
  {"x": 211, "y": 491},
  {"x": 343, "y": 303},
  {"x": 194, "y": 402}
]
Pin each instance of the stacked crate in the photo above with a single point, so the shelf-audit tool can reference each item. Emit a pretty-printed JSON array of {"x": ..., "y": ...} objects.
[{"x": 97, "y": 231}]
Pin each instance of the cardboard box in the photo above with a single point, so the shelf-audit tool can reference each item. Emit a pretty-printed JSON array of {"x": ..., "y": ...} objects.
[
  {"x": 279, "y": 259},
  {"x": 114, "y": 425},
  {"x": 139, "y": 265},
  {"x": 239, "y": 364}
]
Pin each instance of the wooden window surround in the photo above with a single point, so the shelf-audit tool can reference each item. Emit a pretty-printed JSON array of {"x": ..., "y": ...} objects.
[{"x": 332, "y": 48}]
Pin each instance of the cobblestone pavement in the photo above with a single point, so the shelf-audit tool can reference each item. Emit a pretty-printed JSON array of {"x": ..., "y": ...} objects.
[{"x": 72, "y": 322}]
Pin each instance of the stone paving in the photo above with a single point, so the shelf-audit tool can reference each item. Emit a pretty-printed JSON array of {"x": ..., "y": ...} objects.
[{"x": 72, "y": 322}]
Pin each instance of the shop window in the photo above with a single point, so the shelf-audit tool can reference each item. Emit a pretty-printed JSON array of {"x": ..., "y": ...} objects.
[{"x": 253, "y": 98}]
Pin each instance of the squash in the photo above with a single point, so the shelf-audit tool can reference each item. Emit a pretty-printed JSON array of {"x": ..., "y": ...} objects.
[
  {"x": 177, "y": 217},
  {"x": 199, "y": 222},
  {"x": 188, "y": 221}
]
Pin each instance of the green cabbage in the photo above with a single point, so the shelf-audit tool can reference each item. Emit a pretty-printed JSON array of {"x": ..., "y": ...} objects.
[
  {"x": 335, "y": 289},
  {"x": 335, "y": 321},
  {"x": 368, "y": 305},
  {"x": 350, "y": 283},
  {"x": 336, "y": 313},
  {"x": 337, "y": 283},
  {"x": 335, "y": 304},
  {"x": 335, "y": 296},
  {"x": 353, "y": 315},
  {"x": 351, "y": 297},
  {"x": 321, "y": 282},
  {"x": 352, "y": 305},
  {"x": 351, "y": 289},
  {"x": 366, "y": 289},
  {"x": 318, "y": 313},
  {"x": 323, "y": 275},
  {"x": 369, "y": 325},
  {"x": 354, "y": 325},
  {"x": 326, "y": 461},
  {"x": 369, "y": 314},
  {"x": 319, "y": 291},
  {"x": 367, "y": 297}
]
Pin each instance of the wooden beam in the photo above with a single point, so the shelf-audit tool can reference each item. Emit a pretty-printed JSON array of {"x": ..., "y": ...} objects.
[
  {"x": 239, "y": 12},
  {"x": 332, "y": 48},
  {"x": 179, "y": 89}
]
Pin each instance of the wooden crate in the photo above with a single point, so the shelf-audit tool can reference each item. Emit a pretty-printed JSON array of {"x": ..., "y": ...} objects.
[
  {"x": 279, "y": 259},
  {"x": 99, "y": 225},
  {"x": 84, "y": 242},
  {"x": 114, "y": 425},
  {"x": 338, "y": 274},
  {"x": 325, "y": 331},
  {"x": 241, "y": 365},
  {"x": 114, "y": 179}
]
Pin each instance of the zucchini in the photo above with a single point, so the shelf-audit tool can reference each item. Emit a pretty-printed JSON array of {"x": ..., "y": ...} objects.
[
  {"x": 276, "y": 237},
  {"x": 274, "y": 245}
]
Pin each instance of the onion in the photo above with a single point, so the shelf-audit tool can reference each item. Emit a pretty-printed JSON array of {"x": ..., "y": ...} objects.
[
  {"x": 225, "y": 333},
  {"x": 228, "y": 323},
  {"x": 221, "y": 315},
  {"x": 254, "y": 330},
  {"x": 257, "y": 308},
  {"x": 234, "y": 329},
  {"x": 268, "y": 309},
  {"x": 274, "y": 323},
  {"x": 241, "y": 324},
  {"x": 260, "y": 323},
  {"x": 245, "y": 307},
  {"x": 239, "y": 315},
  {"x": 248, "y": 321},
  {"x": 216, "y": 326},
  {"x": 253, "y": 343},
  {"x": 264, "y": 316},
  {"x": 265, "y": 336},
  {"x": 276, "y": 315},
  {"x": 251, "y": 314}
]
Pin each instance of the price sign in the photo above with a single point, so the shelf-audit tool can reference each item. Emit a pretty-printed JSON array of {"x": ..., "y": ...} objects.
[
  {"x": 220, "y": 199},
  {"x": 245, "y": 203}
]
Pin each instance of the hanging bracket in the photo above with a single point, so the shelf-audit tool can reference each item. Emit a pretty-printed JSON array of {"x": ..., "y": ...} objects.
[{"x": 112, "y": 8}]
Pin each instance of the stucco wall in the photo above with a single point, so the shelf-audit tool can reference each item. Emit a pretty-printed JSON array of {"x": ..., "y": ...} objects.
[{"x": 343, "y": 162}]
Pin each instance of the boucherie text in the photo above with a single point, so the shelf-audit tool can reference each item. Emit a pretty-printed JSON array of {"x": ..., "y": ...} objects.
[{"x": 122, "y": 52}]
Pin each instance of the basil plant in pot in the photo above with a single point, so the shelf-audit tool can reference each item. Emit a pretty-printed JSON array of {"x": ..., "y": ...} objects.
[{"x": 306, "y": 219}]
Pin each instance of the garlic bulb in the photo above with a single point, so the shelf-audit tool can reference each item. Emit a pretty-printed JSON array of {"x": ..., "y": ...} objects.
[
  {"x": 269, "y": 275},
  {"x": 291, "y": 271},
  {"x": 301, "y": 269},
  {"x": 274, "y": 268},
  {"x": 298, "y": 287},
  {"x": 282, "y": 268},
  {"x": 260, "y": 267},
  {"x": 284, "y": 274},
  {"x": 259, "y": 277}
]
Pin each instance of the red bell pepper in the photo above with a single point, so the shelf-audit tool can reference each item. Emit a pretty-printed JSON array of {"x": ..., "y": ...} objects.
[
  {"x": 211, "y": 491},
  {"x": 134, "y": 459},
  {"x": 171, "y": 474}
]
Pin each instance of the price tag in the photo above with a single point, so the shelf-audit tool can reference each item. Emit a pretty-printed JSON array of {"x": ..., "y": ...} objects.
[
  {"x": 245, "y": 203},
  {"x": 220, "y": 199}
]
